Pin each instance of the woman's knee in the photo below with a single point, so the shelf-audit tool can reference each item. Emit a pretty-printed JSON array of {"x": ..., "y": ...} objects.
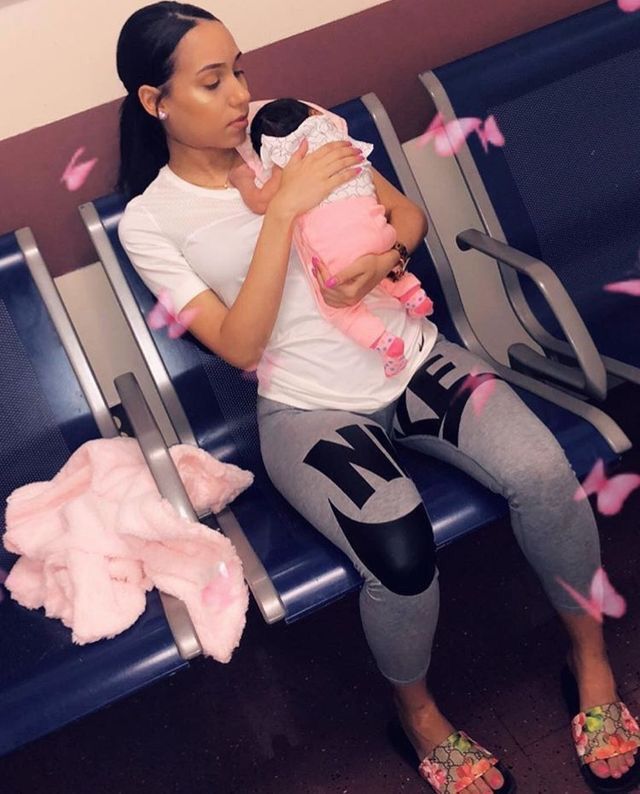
[{"x": 401, "y": 553}]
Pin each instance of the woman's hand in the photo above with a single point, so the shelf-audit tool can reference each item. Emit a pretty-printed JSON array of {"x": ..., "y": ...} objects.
[
  {"x": 354, "y": 282},
  {"x": 307, "y": 179}
]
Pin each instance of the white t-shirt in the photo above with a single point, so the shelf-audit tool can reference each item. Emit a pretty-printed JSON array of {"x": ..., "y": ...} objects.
[{"x": 188, "y": 238}]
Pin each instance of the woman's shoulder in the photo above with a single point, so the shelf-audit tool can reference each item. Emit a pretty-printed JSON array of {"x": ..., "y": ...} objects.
[
  {"x": 145, "y": 199},
  {"x": 136, "y": 218},
  {"x": 151, "y": 210}
]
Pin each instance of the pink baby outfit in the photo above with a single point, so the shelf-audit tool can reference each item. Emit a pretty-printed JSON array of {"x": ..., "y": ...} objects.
[{"x": 346, "y": 225}]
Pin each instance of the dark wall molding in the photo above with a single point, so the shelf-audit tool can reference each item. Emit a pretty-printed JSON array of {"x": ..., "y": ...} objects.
[{"x": 382, "y": 50}]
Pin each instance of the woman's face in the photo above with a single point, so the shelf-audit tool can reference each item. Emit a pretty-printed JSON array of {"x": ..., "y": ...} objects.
[{"x": 208, "y": 90}]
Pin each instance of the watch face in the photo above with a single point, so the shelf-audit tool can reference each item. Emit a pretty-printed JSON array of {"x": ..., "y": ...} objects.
[{"x": 402, "y": 250}]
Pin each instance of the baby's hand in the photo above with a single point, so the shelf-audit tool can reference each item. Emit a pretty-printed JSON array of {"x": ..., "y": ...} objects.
[{"x": 257, "y": 199}]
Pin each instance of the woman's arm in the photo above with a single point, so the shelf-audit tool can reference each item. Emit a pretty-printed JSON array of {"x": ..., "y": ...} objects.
[
  {"x": 239, "y": 334},
  {"x": 407, "y": 218},
  {"x": 357, "y": 280}
]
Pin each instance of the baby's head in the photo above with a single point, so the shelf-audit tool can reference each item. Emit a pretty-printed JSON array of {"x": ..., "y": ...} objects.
[{"x": 278, "y": 118}]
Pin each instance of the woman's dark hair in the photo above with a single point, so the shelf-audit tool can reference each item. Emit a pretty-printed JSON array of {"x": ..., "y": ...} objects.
[
  {"x": 146, "y": 46},
  {"x": 278, "y": 118}
]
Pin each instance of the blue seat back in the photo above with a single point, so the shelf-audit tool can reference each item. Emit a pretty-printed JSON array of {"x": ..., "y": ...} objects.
[
  {"x": 47, "y": 681},
  {"x": 566, "y": 185},
  {"x": 44, "y": 415}
]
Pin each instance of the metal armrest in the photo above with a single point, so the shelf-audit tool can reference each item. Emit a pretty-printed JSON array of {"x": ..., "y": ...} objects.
[
  {"x": 170, "y": 486},
  {"x": 591, "y": 377}
]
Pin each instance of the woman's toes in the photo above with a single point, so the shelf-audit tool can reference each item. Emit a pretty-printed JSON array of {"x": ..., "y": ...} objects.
[
  {"x": 494, "y": 778},
  {"x": 630, "y": 758},
  {"x": 600, "y": 768},
  {"x": 487, "y": 784},
  {"x": 623, "y": 766},
  {"x": 480, "y": 786},
  {"x": 617, "y": 766}
]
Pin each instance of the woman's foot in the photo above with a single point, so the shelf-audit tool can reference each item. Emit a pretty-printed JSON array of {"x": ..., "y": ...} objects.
[
  {"x": 597, "y": 685},
  {"x": 426, "y": 727}
]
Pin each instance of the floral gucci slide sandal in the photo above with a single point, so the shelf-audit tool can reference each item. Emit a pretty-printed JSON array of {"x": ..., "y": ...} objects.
[
  {"x": 602, "y": 732},
  {"x": 455, "y": 763}
]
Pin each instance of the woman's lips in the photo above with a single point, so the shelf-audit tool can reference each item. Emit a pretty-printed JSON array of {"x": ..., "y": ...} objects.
[{"x": 240, "y": 123}]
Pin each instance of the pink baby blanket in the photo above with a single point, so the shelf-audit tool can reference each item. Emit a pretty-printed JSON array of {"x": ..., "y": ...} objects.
[{"x": 98, "y": 536}]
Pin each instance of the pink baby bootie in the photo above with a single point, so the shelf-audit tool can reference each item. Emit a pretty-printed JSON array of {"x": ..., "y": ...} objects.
[
  {"x": 392, "y": 350},
  {"x": 416, "y": 302}
]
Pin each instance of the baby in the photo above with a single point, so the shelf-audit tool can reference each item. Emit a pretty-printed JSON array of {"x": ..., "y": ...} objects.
[{"x": 346, "y": 225}]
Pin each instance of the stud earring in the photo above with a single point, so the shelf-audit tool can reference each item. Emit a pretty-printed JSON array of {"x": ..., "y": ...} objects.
[{"x": 162, "y": 115}]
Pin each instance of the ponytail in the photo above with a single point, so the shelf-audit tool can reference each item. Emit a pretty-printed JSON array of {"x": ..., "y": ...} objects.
[
  {"x": 145, "y": 50},
  {"x": 143, "y": 148}
]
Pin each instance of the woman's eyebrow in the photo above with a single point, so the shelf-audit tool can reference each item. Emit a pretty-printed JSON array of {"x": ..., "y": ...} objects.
[{"x": 216, "y": 65}]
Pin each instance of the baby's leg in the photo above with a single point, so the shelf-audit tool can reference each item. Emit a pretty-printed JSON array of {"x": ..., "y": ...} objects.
[
  {"x": 409, "y": 292},
  {"x": 358, "y": 323}
]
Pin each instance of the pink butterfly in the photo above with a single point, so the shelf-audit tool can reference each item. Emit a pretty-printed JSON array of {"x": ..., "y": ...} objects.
[
  {"x": 163, "y": 313},
  {"x": 75, "y": 174},
  {"x": 490, "y": 133},
  {"x": 611, "y": 493},
  {"x": 629, "y": 5},
  {"x": 448, "y": 136},
  {"x": 629, "y": 287},
  {"x": 603, "y": 599},
  {"x": 479, "y": 396}
]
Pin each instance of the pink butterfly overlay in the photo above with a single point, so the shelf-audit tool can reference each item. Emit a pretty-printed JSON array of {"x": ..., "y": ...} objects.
[
  {"x": 163, "y": 313},
  {"x": 75, "y": 174},
  {"x": 612, "y": 493},
  {"x": 219, "y": 592},
  {"x": 3, "y": 576},
  {"x": 448, "y": 137},
  {"x": 479, "y": 396},
  {"x": 603, "y": 598},
  {"x": 490, "y": 133},
  {"x": 629, "y": 5},
  {"x": 629, "y": 287}
]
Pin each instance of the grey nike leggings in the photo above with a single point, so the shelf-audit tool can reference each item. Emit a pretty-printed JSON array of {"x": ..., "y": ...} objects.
[{"x": 339, "y": 470}]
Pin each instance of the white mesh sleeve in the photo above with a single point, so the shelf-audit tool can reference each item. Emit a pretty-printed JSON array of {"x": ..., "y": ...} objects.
[{"x": 156, "y": 259}]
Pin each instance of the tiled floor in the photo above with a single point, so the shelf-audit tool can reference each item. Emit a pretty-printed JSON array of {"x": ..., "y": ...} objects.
[{"x": 301, "y": 709}]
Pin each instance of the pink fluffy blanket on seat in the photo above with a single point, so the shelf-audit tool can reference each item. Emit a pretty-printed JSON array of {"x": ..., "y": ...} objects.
[{"x": 98, "y": 536}]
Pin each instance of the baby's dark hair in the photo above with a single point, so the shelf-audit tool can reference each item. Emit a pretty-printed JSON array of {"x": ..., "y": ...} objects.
[{"x": 278, "y": 118}]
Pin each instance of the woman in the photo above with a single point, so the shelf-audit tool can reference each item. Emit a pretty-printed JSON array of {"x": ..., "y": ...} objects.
[{"x": 185, "y": 230}]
